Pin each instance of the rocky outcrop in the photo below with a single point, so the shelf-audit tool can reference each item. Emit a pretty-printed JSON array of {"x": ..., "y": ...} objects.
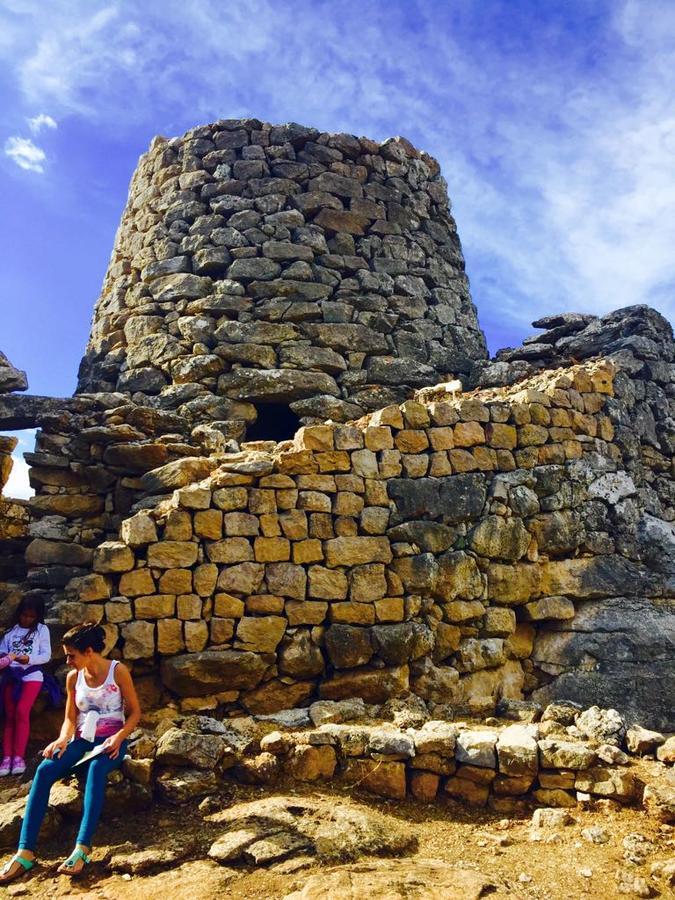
[{"x": 446, "y": 546}]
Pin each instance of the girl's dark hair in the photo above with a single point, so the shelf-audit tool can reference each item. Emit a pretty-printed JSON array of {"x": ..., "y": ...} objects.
[
  {"x": 81, "y": 637},
  {"x": 36, "y": 604}
]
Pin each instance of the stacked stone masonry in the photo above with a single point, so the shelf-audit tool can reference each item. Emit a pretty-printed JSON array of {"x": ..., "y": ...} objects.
[
  {"x": 556, "y": 757},
  {"x": 260, "y": 263},
  {"x": 447, "y": 547},
  {"x": 14, "y": 515}
]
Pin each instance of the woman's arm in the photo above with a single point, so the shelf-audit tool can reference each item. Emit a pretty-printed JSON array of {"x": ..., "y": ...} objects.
[
  {"x": 69, "y": 719},
  {"x": 131, "y": 706}
]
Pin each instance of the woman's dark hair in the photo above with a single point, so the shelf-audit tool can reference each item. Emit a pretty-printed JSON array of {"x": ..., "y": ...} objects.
[
  {"x": 81, "y": 637},
  {"x": 34, "y": 604}
]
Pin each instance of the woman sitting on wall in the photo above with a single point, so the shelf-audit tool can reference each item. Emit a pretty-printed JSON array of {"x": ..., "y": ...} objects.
[{"x": 99, "y": 691}]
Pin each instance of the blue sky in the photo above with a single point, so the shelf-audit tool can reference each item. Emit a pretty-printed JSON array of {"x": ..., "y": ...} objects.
[{"x": 553, "y": 122}]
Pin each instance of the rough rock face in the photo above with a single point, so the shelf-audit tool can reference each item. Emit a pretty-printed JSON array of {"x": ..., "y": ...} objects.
[
  {"x": 13, "y": 513},
  {"x": 455, "y": 548},
  {"x": 275, "y": 264}
]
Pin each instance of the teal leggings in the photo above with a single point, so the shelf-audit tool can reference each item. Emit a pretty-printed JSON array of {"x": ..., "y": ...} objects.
[{"x": 50, "y": 770}]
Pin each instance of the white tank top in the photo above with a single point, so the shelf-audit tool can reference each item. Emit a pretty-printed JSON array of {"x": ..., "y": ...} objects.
[{"x": 102, "y": 706}]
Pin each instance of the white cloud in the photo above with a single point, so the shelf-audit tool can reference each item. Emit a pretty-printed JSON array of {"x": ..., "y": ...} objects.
[
  {"x": 25, "y": 154},
  {"x": 559, "y": 153},
  {"x": 37, "y": 123},
  {"x": 18, "y": 486}
]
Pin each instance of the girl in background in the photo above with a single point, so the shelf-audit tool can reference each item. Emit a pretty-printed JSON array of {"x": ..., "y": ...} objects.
[{"x": 24, "y": 649}]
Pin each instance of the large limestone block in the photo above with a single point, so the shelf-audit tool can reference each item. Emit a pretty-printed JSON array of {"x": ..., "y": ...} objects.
[
  {"x": 372, "y": 685},
  {"x": 499, "y": 538},
  {"x": 397, "y": 644},
  {"x": 599, "y": 576},
  {"x": 177, "y": 474},
  {"x": 458, "y": 577},
  {"x": 348, "y": 646},
  {"x": 477, "y": 748},
  {"x": 139, "y": 640},
  {"x": 172, "y": 554},
  {"x": 113, "y": 556},
  {"x": 458, "y": 498},
  {"x": 386, "y": 779},
  {"x": 212, "y": 671},
  {"x": 185, "y": 748},
  {"x": 396, "y": 879},
  {"x": 625, "y": 639},
  {"x": 517, "y": 750},
  {"x": 261, "y": 634},
  {"x": 42, "y": 552},
  {"x": 354, "y": 551},
  {"x": 565, "y": 755},
  {"x": 275, "y": 695},
  {"x": 275, "y": 385},
  {"x": 138, "y": 530}
]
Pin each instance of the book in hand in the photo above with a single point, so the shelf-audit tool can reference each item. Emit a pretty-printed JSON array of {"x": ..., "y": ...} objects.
[{"x": 90, "y": 754}]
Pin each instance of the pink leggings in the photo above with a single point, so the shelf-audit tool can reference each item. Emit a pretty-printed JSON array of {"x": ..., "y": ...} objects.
[{"x": 17, "y": 717}]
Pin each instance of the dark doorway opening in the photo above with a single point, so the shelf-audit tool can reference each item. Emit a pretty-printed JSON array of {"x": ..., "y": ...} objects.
[{"x": 275, "y": 422}]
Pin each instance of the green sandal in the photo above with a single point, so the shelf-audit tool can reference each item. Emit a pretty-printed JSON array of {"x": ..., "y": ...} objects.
[
  {"x": 27, "y": 864},
  {"x": 76, "y": 855}
]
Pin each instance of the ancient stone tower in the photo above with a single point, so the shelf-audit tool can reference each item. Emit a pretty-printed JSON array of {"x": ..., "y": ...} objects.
[{"x": 274, "y": 273}]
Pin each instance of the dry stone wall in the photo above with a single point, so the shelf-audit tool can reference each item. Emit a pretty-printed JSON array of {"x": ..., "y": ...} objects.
[
  {"x": 275, "y": 264},
  {"x": 443, "y": 546},
  {"x": 14, "y": 515}
]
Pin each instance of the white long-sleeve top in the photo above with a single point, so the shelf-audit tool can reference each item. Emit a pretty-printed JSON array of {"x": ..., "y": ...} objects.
[{"x": 35, "y": 644}]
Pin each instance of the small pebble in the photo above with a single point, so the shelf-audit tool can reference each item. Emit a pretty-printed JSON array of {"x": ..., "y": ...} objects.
[
  {"x": 586, "y": 873},
  {"x": 524, "y": 879}
]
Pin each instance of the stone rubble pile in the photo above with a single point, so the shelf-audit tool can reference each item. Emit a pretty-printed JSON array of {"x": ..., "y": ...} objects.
[{"x": 537, "y": 760}]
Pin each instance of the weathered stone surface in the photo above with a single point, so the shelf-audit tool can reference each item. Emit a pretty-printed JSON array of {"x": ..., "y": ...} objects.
[
  {"x": 517, "y": 750},
  {"x": 659, "y": 800},
  {"x": 183, "y": 748},
  {"x": 275, "y": 385},
  {"x": 604, "y": 725},
  {"x": 500, "y": 538},
  {"x": 386, "y": 779},
  {"x": 554, "y": 754},
  {"x": 347, "y": 646},
  {"x": 200, "y": 674},
  {"x": 373, "y": 686},
  {"x": 172, "y": 554},
  {"x": 46, "y": 553},
  {"x": 113, "y": 556},
  {"x": 398, "y": 878},
  {"x": 477, "y": 748},
  {"x": 641, "y": 629},
  {"x": 177, "y": 474}
]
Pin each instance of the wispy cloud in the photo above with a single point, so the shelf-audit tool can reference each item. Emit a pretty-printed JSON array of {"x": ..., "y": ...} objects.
[
  {"x": 37, "y": 123},
  {"x": 18, "y": 486},
  {"x": 25, "y": 154},
  {"x": 553, "y": 123}
]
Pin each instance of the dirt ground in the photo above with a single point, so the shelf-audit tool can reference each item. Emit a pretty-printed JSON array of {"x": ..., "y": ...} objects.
[{"x": 563, "y": 865}]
